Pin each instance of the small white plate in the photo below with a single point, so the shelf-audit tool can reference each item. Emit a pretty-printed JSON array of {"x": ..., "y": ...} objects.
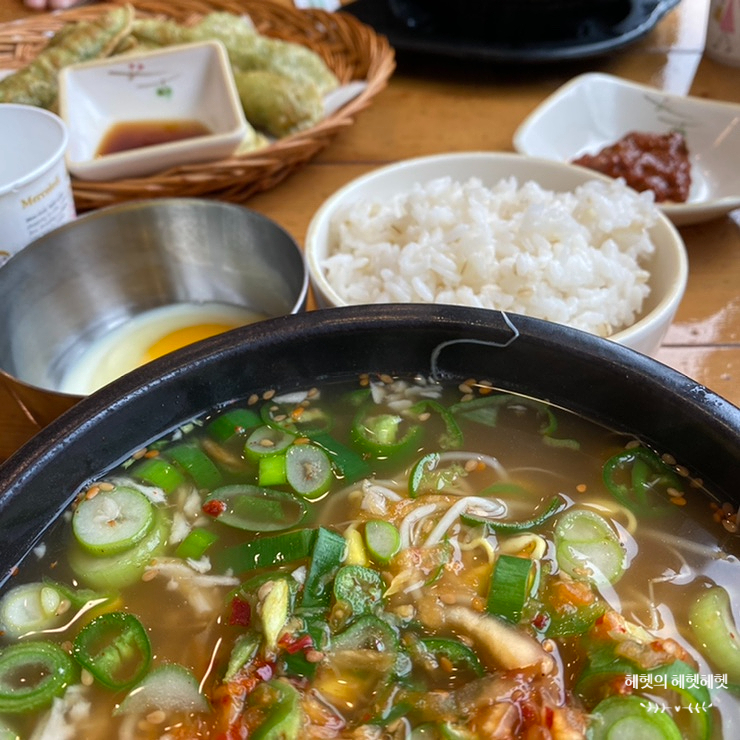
[
  {"x": 594, "y": 110},
  {"x": 189, "y": 82}
]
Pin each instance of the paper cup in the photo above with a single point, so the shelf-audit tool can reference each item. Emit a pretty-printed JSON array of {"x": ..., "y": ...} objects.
[
  {"x": 35, "y": 189},
  {"x": 723, "y": 32}
]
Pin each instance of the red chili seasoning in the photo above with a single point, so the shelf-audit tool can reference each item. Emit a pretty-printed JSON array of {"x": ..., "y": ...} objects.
[
  {"x": 241, "y": 613},
  {"x": 214, "y": 508}
]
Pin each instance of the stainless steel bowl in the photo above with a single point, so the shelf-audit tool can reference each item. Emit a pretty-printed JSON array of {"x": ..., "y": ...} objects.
[{"x": 76, "y": 283}]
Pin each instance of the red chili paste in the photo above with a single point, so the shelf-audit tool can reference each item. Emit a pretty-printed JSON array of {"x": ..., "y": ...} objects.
[{"x": 646, "y": 161}]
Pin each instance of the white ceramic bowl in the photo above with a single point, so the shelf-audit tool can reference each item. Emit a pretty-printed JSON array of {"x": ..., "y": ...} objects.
[
  {"x": 169, "y": 86},
  {"x": 668, "y": 265},
  {"x": 594, "y": 110}
]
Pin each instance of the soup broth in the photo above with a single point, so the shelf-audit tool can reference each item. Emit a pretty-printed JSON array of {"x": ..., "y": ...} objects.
[{"x": 392, "y": 558}]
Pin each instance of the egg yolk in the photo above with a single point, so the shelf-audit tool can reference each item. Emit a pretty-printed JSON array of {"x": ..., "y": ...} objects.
[{"x": 183, "y": 337}]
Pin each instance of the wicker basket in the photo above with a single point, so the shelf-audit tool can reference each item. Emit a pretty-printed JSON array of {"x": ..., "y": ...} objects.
[{"x": 351, "y": 49}]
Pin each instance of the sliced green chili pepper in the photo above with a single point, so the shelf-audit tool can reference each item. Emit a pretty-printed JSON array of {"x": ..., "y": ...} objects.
[
  {"x": 602, "y": 668},
  {"x": 32, "y": 674},
  {"x": 510, "y": 587},
  {"x": 196, "y": 543},
  {"x": 453, "y": 436},
  {"x": 458, "y": 653},
  {"x": 640, "y": 480},
  {"x": 368, "y": 632},
  {"x": 383, "y": 435},
  {"x": 254, "y": 508},
  {"x": 486, "y": 410},
  {"x": 113, "y": 521},
  {"x": 196, "y": 464},
  {"x": 115, "y": 649},
  {"x": 265, "y": 551},
  {"x": 501, "y": 526},
  {"x": 346, "y": 461},
  {"x": 234, "y": 421},
  {"x": 428, "y": 477},
  {"x": 308, "y": 470},
  {"x": 283, "y": 721},
  {"x": 360, "y": 588},
  {"x": 327, "y": 555},
  {"x": 156, "y": 471}
]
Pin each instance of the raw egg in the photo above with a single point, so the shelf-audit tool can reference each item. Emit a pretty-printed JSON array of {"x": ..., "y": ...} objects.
[{"x": 148, "y": 336}]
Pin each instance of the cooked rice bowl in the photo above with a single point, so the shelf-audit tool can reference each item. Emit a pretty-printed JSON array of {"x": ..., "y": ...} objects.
[{"x": 577, "y": 258}]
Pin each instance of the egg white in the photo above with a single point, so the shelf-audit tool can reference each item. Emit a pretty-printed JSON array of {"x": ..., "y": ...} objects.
[{"x": 124, "y": 348}]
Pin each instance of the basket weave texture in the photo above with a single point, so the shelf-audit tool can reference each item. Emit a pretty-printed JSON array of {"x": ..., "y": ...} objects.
[{"x": 351, "y": 49}]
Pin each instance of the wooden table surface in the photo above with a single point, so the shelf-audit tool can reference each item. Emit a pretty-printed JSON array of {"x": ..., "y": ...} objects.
[{"x": 435, "y": 105}]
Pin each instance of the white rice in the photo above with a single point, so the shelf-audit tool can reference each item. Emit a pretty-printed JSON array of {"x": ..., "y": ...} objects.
[{"x": 574, "y": 258}]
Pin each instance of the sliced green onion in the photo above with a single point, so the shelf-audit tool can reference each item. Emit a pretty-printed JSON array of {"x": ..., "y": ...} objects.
[
  {"x": 112, "y": 521},
  {"x": 234, "y": 421},
  {"x": 113, "y": 572},
  {"x": 271, "y": 470},
  {"x": 168, "y": 688},
  {"x": 196, "y": 464},
  {"x": 31, "y": 607},
  {"x": 265, "y": 551},
  {"x": 196, "y": 543},
  {"x": 308, "y": 470},
  {"x": 630, "y": 718},
  {"x": 510, "y": 587},
  {"x": 156, "y": 471},
  {"x": 327, "y": 555},
  {"x": 244, "y": 650},
  {"x": 383, "y": 540},
  {"x": 714, "y": 628},
  {"x": 683, "y": 680},
  {"x": 255, "y": 509},
  {"x": 32, "y": 674},
  {"x": 115, "y": 649},
  {"x": 267, "y": 441},
  {"x": 588, "y": 548}
]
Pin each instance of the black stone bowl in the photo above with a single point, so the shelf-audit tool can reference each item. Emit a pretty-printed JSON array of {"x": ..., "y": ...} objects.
[{"x": 596, "y": 378}]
